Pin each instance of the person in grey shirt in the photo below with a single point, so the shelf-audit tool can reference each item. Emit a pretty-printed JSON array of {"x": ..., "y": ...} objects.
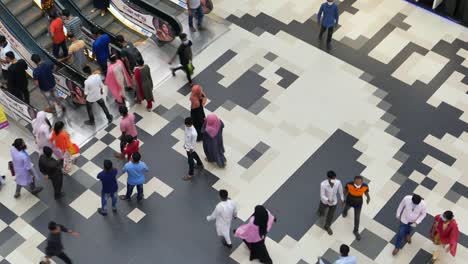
[{"x": 72, "y": 24}]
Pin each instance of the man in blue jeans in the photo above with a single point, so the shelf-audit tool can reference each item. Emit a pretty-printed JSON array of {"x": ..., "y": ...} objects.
[
  {"x": 327, "y": 18},
  {"x": 194, "y": 7},
  {"x": 44, "y": 78},
  {"x": 109, "y": 187},
  {"x": 136, "y": 177}
]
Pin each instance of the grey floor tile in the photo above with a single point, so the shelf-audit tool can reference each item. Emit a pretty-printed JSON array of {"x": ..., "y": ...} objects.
[
  {"x": 245, "y": 162},
  {"x": 34, "y": 212},
  {"x": 330, "y": 256},
  {"x": 14, "y": 242},
  {"x": 261, "y": 147},
  {"x": 288, "y": 77},
  {"x": 366, "y": 77},
  {"x": 5, "y": 235},
  {"x": 108, "y": 139},
  {"x": 259, "y": 105},
  {"x": 256, "y": 68},
  {"x": 253, "y": 155},
  {"x": 398, "y": 178},
  {"x": 428, "y": 183},
  {"x": 370, "y": 245},
  {"x": 270, "y": 56},
  {"x": 452, "y": 196},
  {"x": 229, "y": 105},
  {"x": 400, "y": 156},
  {"x": 85, "y": 179},
  {"x": 422, "y": 257},
  {"x": 6, "y": 215}
]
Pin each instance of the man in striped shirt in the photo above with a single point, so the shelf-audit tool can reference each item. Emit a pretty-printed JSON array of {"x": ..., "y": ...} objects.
[{"x": 72, "y": 24}]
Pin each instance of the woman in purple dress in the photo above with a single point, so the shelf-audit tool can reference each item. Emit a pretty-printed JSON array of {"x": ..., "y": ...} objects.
[{"x": 212, "y": 134}]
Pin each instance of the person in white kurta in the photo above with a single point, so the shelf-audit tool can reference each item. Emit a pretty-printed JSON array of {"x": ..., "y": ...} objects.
[{"x": 224, "y": 212}]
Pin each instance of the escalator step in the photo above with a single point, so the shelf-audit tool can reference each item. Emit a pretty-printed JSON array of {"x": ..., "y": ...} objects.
[
  {"x": 16, "y": 7},
  {"x": 104, "y": 21},
  {"x": 83, "y": 3},
  {"x": 30, "y": 16},
  {"x": 39, "y": 27},
  {"x": 44, "y": 41}
]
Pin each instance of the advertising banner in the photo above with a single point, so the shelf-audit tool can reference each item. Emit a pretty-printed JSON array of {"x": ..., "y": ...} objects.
[
  {"x": 146, "y": 24},
  {"x": 3, "y": 118},
  {"x": 15, "y": 108},
  {"x": 206, "y": 4},
  {"x": 19, "y": 50}
]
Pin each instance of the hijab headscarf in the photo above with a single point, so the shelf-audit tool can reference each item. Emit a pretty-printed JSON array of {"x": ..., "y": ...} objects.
[
  {"x": 213, "y": 124},
  {"x": 40, "y": 122},
  {"x": 261, "y": 219},
  {"x": 196, "y": 96}
]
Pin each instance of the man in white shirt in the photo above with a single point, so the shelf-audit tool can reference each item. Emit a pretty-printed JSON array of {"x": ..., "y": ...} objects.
[
  {"x": 329, "y": 198},
  {"x": 189, "y": 145},
  {"x": 344, "y": 258},
  {"x": 224, "y": 212},
  {"x": 5, "y": 47},
  {"x": 411, "y": 211},
  {"x": 94, "y": 91}
]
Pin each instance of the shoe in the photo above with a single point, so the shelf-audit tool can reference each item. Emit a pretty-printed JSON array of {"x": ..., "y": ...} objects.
[
  {"x": 357, "y": 235},
  {"x": 109, "y": 119},
  {"x": 140, "y": 201},
  {"x": 187, "y": 178},
  {"x": 192, "y": 29},
  {"x": 227, "y": 245},
  {"x": 329, "y": 231},
  {"x": 200, "y": 27},
  {"x": 148, "y": 109},
  {"x": 37, "y": 190},
  {"x": 89, "y": 123},
  {"x": 408, "y": 239},
  {"x": 124, "y": 198},
  {"x": 328, "y": 45},
  {"x": 60, "y": 195},
  {"x": 103, "y": 13},
  {"x": 200, "y": 167},
  {"x": 114, "y": 210},
  {"x": 93, "y": 10},
  {"x": 17, "y": 195},
  {"x": 344, "y": 214},
  {"x": 102, "y": 211},
  {"x": 173, "y": 72},
  {"x": 395, "y": 251}
]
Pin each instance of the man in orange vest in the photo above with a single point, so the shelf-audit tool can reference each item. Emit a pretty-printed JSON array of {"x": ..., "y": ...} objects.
[{"x": 354, "y": 191}]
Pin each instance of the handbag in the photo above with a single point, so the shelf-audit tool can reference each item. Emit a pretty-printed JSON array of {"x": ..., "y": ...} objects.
[
  {"x": 11, "y": 168},
  {"x": 190, "y": 68},
  {"x": 73, "y": 149}
]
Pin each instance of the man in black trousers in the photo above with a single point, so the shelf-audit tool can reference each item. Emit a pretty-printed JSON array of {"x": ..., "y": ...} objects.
[
  {"x": 54, "y": 246},
  {"x": 52, "y": 169}
]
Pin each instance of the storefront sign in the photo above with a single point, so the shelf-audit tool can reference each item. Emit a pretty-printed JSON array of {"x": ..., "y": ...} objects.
[
  {"x": 15, "y": 108},
  {"x": 206, "y": 4},
  {"x": 145, "y": 24},
  {"x": 3, "y": 118}
]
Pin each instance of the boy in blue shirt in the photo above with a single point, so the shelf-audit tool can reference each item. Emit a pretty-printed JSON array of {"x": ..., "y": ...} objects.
[
  {"x": 136, "y": 177},
  {"x": 327, "y": 18},
  {"x": 109, "y": 187}
]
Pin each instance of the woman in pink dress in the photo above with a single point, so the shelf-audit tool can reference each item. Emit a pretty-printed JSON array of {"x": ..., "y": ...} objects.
[
  {"x": 444, "y": 232},
  {"x": 254, "y": 233},
  {"x": 117, "y": 79}
]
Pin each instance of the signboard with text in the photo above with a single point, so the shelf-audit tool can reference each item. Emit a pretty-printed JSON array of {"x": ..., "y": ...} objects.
[{"x": 15, "y": 108}]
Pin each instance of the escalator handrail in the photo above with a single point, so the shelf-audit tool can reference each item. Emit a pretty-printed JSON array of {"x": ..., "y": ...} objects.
[{"x": 153, "y": 10}]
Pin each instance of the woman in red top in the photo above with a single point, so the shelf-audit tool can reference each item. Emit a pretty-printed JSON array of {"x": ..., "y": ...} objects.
[
  {"x": 132, "y": 146},
  {"x": 445, "y": 232}
]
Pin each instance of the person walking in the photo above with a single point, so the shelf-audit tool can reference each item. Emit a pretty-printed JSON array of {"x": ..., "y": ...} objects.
[
  {"x": 344, "y": 256},
  {"x": 24, "y": 172},
  {"x": 63, "y": 147},
  {"x": 44, "y": 78},
  {"x": 58, "y": 36},
  {"x": 101, "y": 48},
  {"x": 184, "y": 51},
  {"x": 102, "y": 5},
  {"x": 254, "y": 233},
  {"x": 195, "y": 9},
  {"x": 136, "y": 170},
  {"x": 109, "y": 187},
  {"x": 223, "y": 213},
  {"x": 328, "y": 198},
  {"x": 212, "y": 134},
  {"x": 117, "y": 79},
  {"x": 354, "y": 191},
  {"x": 127, "y": 126},
  {"x": 76, "y": 52},
  {"x": 54, "y": 247},
  {"x": 132, "y": 145},
  {"x": 129, "y": 54},
  {"x": 5, "y": 47},
  {"x": 445, "y": 234},
  {"x": 327, "y": 18},
  {"x": 144, "y": 84},
  {"x": 197, "y": 112},
  {"x": 94, "y": 90},
  {"x": 190, "y": 145},
  {"x": 17, "y": 80},
  {"x": 72, "y": 24},
  {"x": 52, "y": 169},
  {"x": 41, "y": 131},
  {"x": 411, "y": 211}
]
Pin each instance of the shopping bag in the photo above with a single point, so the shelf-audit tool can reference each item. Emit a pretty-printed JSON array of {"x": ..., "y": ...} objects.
[
  {"x": 190, "y": 68},
  {"x": 74, "y": 149}
]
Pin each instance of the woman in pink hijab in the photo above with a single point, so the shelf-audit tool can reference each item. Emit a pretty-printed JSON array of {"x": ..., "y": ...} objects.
[
  {"x": 197, "y": 113},
  {"x": 117, "y": 79},
  {"x": 212, "y": 134}
]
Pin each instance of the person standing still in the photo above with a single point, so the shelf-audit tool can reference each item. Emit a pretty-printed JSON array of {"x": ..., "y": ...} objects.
[
  {"x": 224, "y": 212},
  {"x": 94, "y": 93},
  {"x": 52, "y": 169},
  {"x": 127, "y": 126},
  {"x": 24, "y": 171},
  {"x": 411, "y": 211},
  {"x": 194, "y": 8},
  {"x": 76, "y": 52},
  {"x": 190, "y": 145},
  {"x": 101, "y": 49},
  {"x": 44, "y": 78},
  {"x": 72, "y": 24},
  {"x": 54, "y": 246},
  {"x": 327, "y": 18},
  {"x": 136, "y": 170},
  {"x": 354, "y": 191},
  {"x": 5, "y": 47},
  {"x": 17, "y": 83},
  {"x": 109, "y": 187},
  {"x": 184, "y": 51},
  {"x": 328, "y": 198},
  {"x": 58, "y": 36}
]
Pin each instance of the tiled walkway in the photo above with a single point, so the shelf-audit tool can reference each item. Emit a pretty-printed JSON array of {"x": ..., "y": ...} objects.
[{"x": 388, "y": 101}]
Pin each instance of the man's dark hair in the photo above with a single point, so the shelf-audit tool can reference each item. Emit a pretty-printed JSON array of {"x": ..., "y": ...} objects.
[
  {"x": 136, "y": 157},
  {"x": 129, "y": 139},
  {"x": 448, "y": 215},
  {"x": 223, "y": 194},
  {"x": 2, "y": 39},
  {"x": 183, "y": 36},
  {"x": 140, "y": 62},
  {"x": 123, "y": 110},
  {"x": 188, "y": 121},
  {"x": 416, "y": 199},
  {"x": 18, "y": 144},
  {"x": 87, "y": 69},
  {"x": 113, "y": 58},
  {"x": 331, "y": 174},
  {"x": 47, "y": 151},
  {"x": 52, "y": 225},
  {"x": 344, "y": 250},
  {"x": 58, "y": 126},
  {"x": 358, "y": 177},
  {"x": 96, "y": 31},
  {"x": 70, "y": 35},
  {"x": 119, "y": 38},
  {"x": 10, "y": 55},
  {"x": 65, "y": 13},
  {"x": 36, "y": 58},
  {"x": 53, "y": 15},
  {"x": 107, "y": 165}
]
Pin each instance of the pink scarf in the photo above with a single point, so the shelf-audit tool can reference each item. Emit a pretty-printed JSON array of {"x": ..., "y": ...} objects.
[
  {"x": 250, "y": 232},
  {"x": 213, "y": 124}
]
